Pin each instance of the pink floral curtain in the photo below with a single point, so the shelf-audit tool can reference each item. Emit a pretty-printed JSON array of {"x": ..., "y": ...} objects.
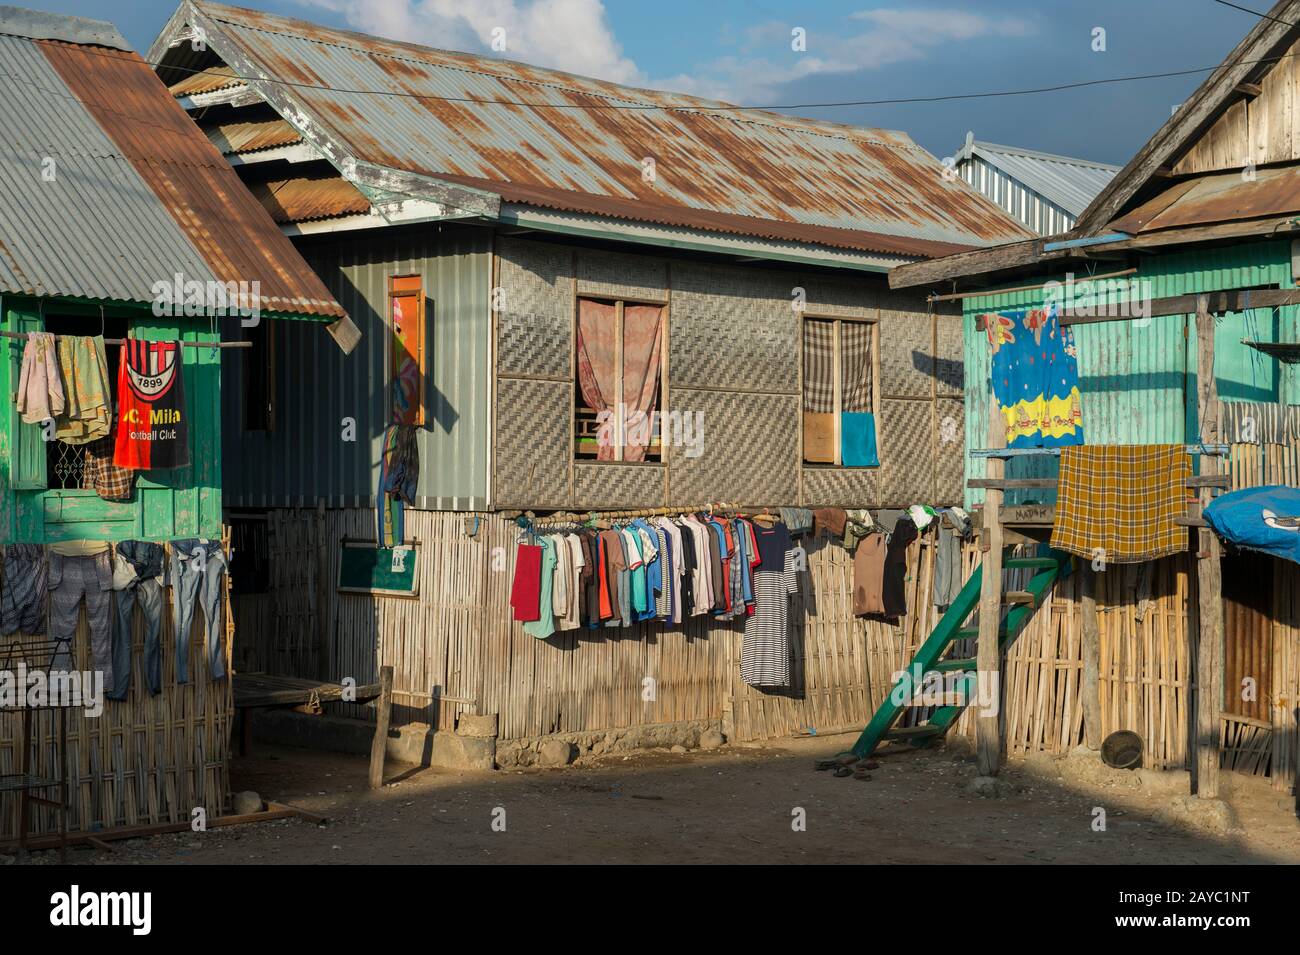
[
  {"x": 641, "y": 333},
  {"x": 598, "y": 365},
  {"x": 598, "y": 372}
]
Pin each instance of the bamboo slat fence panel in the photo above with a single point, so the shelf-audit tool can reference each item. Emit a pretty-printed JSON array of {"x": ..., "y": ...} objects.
[
  {"x": 456, "y": 649},
  {"x": 144, "y": 760}
]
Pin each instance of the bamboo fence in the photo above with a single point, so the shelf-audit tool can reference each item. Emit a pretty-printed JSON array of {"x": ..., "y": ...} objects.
[
  {"x": 142, "y": 761},
  {"x": 455, "y": 649}
]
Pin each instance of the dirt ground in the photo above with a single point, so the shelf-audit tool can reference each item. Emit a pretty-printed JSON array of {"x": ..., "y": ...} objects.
[{"x": 736, "y": 804}]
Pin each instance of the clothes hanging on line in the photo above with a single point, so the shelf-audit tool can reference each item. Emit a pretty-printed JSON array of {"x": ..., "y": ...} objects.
[
  {"x": 195, "y": 572},
  {"x": 869, "y": 576},
  {"x": 141, "y": 585},
  {"x": 153, "y": 420},
  {"x": 1035, "y": 377},
  {"x": 767, "y": 651},
  {"x": 88, "y": 408},
  {"x": 526, "y": 589},
  {"x": 25, "y": 588},
  {"x": 954, "y": 528},
  {"x": 1119, "y": 503},
  {"x": 40, "y": 383},
  {"x": 101, "y": 475},
  {"x": 894, "y": 578},
  {"x": 77, "y": 574},
  {"x": 645, "y": 569}
]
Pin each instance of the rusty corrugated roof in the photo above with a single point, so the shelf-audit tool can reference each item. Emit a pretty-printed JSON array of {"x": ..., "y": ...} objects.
[
  {"x": 1217, "y": 197},
  {"x": 572, "y": 142},
  {"x": 164, "y": 165},
  {"x": 235, "y": 138},
  {"x": 209, "y": 81},
  {"x": 303, "y": 199}
]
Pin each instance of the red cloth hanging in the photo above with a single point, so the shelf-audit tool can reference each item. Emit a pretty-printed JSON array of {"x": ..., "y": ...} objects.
[{"x": 526, "y": 590}]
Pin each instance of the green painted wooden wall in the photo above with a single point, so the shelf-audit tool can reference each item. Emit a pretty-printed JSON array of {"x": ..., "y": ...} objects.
[
  {"x": 167, "y": 504},
  {"x": 1138, "y": 378}
]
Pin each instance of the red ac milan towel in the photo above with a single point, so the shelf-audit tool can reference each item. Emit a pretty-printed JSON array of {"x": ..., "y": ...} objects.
[{"x": 153, "y": 424}]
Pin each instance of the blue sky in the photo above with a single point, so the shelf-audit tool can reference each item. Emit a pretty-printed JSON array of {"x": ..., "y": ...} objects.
[{"x": 856, "y": 49}]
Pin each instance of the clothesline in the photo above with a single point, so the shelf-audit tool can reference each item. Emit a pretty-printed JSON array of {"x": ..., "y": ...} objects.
[
  {"x": 578, "y": 517},
  {"x": 123, "y": 341},
  {"x": 1218, "y": 449}
]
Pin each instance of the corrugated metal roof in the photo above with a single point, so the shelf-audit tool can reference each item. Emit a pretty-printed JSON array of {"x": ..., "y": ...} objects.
[
  {"x": 234, "y": 138},
  {"x": 132, "y": 192},
  {"x": 209, "y": 81},
  {"x": 1221, "y": 197},
  {"x": 303, "y": 199},
  {"x": 1068, "y": 182},
  {"x": 512, "y": 125}
]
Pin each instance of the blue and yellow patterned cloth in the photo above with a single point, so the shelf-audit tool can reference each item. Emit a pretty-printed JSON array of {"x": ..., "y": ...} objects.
[{"x": 1035, "y": 377}]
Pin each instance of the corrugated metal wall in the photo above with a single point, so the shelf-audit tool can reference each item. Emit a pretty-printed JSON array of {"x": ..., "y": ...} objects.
[
  {"x": 1138, "y": 378},
  {"x": 1034, "y": 210},
  {"x": 317, "y": 387}
]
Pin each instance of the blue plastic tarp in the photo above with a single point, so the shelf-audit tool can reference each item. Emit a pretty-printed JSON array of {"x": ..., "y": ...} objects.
[{"x": 1265, "y": 519}]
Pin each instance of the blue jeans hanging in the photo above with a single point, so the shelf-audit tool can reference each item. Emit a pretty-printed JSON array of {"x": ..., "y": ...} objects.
[{"x": 196, "y": 568}]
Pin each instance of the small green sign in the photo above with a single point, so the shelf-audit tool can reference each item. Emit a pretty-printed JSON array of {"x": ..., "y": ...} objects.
[{"x": 367, "y": 569}]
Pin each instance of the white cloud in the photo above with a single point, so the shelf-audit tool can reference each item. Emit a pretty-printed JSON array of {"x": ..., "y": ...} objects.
[
  {"x": 542, "y": 32},
  {"x": 575, "y": 35}
]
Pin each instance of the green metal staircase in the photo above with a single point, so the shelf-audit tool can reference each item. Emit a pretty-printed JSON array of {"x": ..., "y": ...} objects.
[{"x": 1020, "y": 606}]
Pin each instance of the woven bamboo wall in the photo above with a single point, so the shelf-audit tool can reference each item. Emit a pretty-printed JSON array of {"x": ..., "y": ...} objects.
[
  {"x": 144, "y": 760},
  {"x": 733, "y": 355}
]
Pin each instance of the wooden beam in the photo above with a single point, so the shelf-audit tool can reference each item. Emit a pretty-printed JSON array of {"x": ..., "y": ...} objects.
[
  {"x": 379, "y": 746},
  {"x": 1038, "y": 286},
  {"x": 1232, "y": 301},
  {"x": 978, "y": 261},
  {"x": 1006, "y": 484},
  {"x": 1209, "y": 573},
  {"x": 1091, "y": 657},
  {"x": 988, "y": 663},
  {"x": 1249, "y": 90}
]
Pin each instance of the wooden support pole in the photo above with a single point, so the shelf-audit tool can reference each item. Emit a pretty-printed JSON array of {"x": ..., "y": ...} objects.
[
  {"x": 1091, "y": 658},
  {"x": 383, "y": 708},
  {"x": 1209, "y": 574},
  {"x": 988, "y": 743}
]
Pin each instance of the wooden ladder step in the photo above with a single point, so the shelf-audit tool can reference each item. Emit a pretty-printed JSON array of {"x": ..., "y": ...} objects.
[
  {"x": 948, "y": 666},
  {"x": 1037, "y": 563},
  {"x": 972, "y": 633},
  {"x": 1013, "y": 597},
  {"x": 914, "y": 732}
]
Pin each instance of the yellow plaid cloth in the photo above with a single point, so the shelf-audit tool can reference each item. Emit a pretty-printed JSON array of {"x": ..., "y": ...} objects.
[{"x": 1118, "y": 502}]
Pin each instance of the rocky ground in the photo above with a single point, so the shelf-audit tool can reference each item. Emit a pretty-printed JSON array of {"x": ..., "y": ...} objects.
[{"x": 747, "y": 803}]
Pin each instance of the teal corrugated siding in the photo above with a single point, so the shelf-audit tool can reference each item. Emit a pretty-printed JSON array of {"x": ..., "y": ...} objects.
[
  {"x": 306, "y": 458},
  {"x": 1138, "y": 378}
]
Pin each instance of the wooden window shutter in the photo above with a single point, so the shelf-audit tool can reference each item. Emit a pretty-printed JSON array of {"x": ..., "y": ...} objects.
[{"x": 26, "y": 441}]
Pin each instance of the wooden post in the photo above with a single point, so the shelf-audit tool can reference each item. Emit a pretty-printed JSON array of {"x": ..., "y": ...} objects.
[
  {"x": 988, "y": 743},
  {"x": 1209, "y": 573},
  {"x": 322, "y": 594},
  {"x": 383, "y": 707},
  {"x": 1091, "y": 658}
]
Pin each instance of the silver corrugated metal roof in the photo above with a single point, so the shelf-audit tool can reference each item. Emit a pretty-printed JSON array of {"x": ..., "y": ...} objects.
[
  {"x": 107, "y": 189},
  {"x": 95, "y": 229},
  {"x": 557, "y": 135},
  {"x": 1068, "y": 182}
]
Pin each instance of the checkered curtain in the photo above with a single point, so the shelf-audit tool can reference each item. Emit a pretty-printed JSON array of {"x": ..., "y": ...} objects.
[
  {"x": 855, "y": 366},
  {"x": 818, "y": 366}
]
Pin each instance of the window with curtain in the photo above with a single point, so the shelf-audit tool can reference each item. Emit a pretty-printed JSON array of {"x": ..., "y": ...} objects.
[
  {"x": 618, "y": 389},
  {"x": 406, "y": 307},
  {"x": 839, "y": 392}
]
